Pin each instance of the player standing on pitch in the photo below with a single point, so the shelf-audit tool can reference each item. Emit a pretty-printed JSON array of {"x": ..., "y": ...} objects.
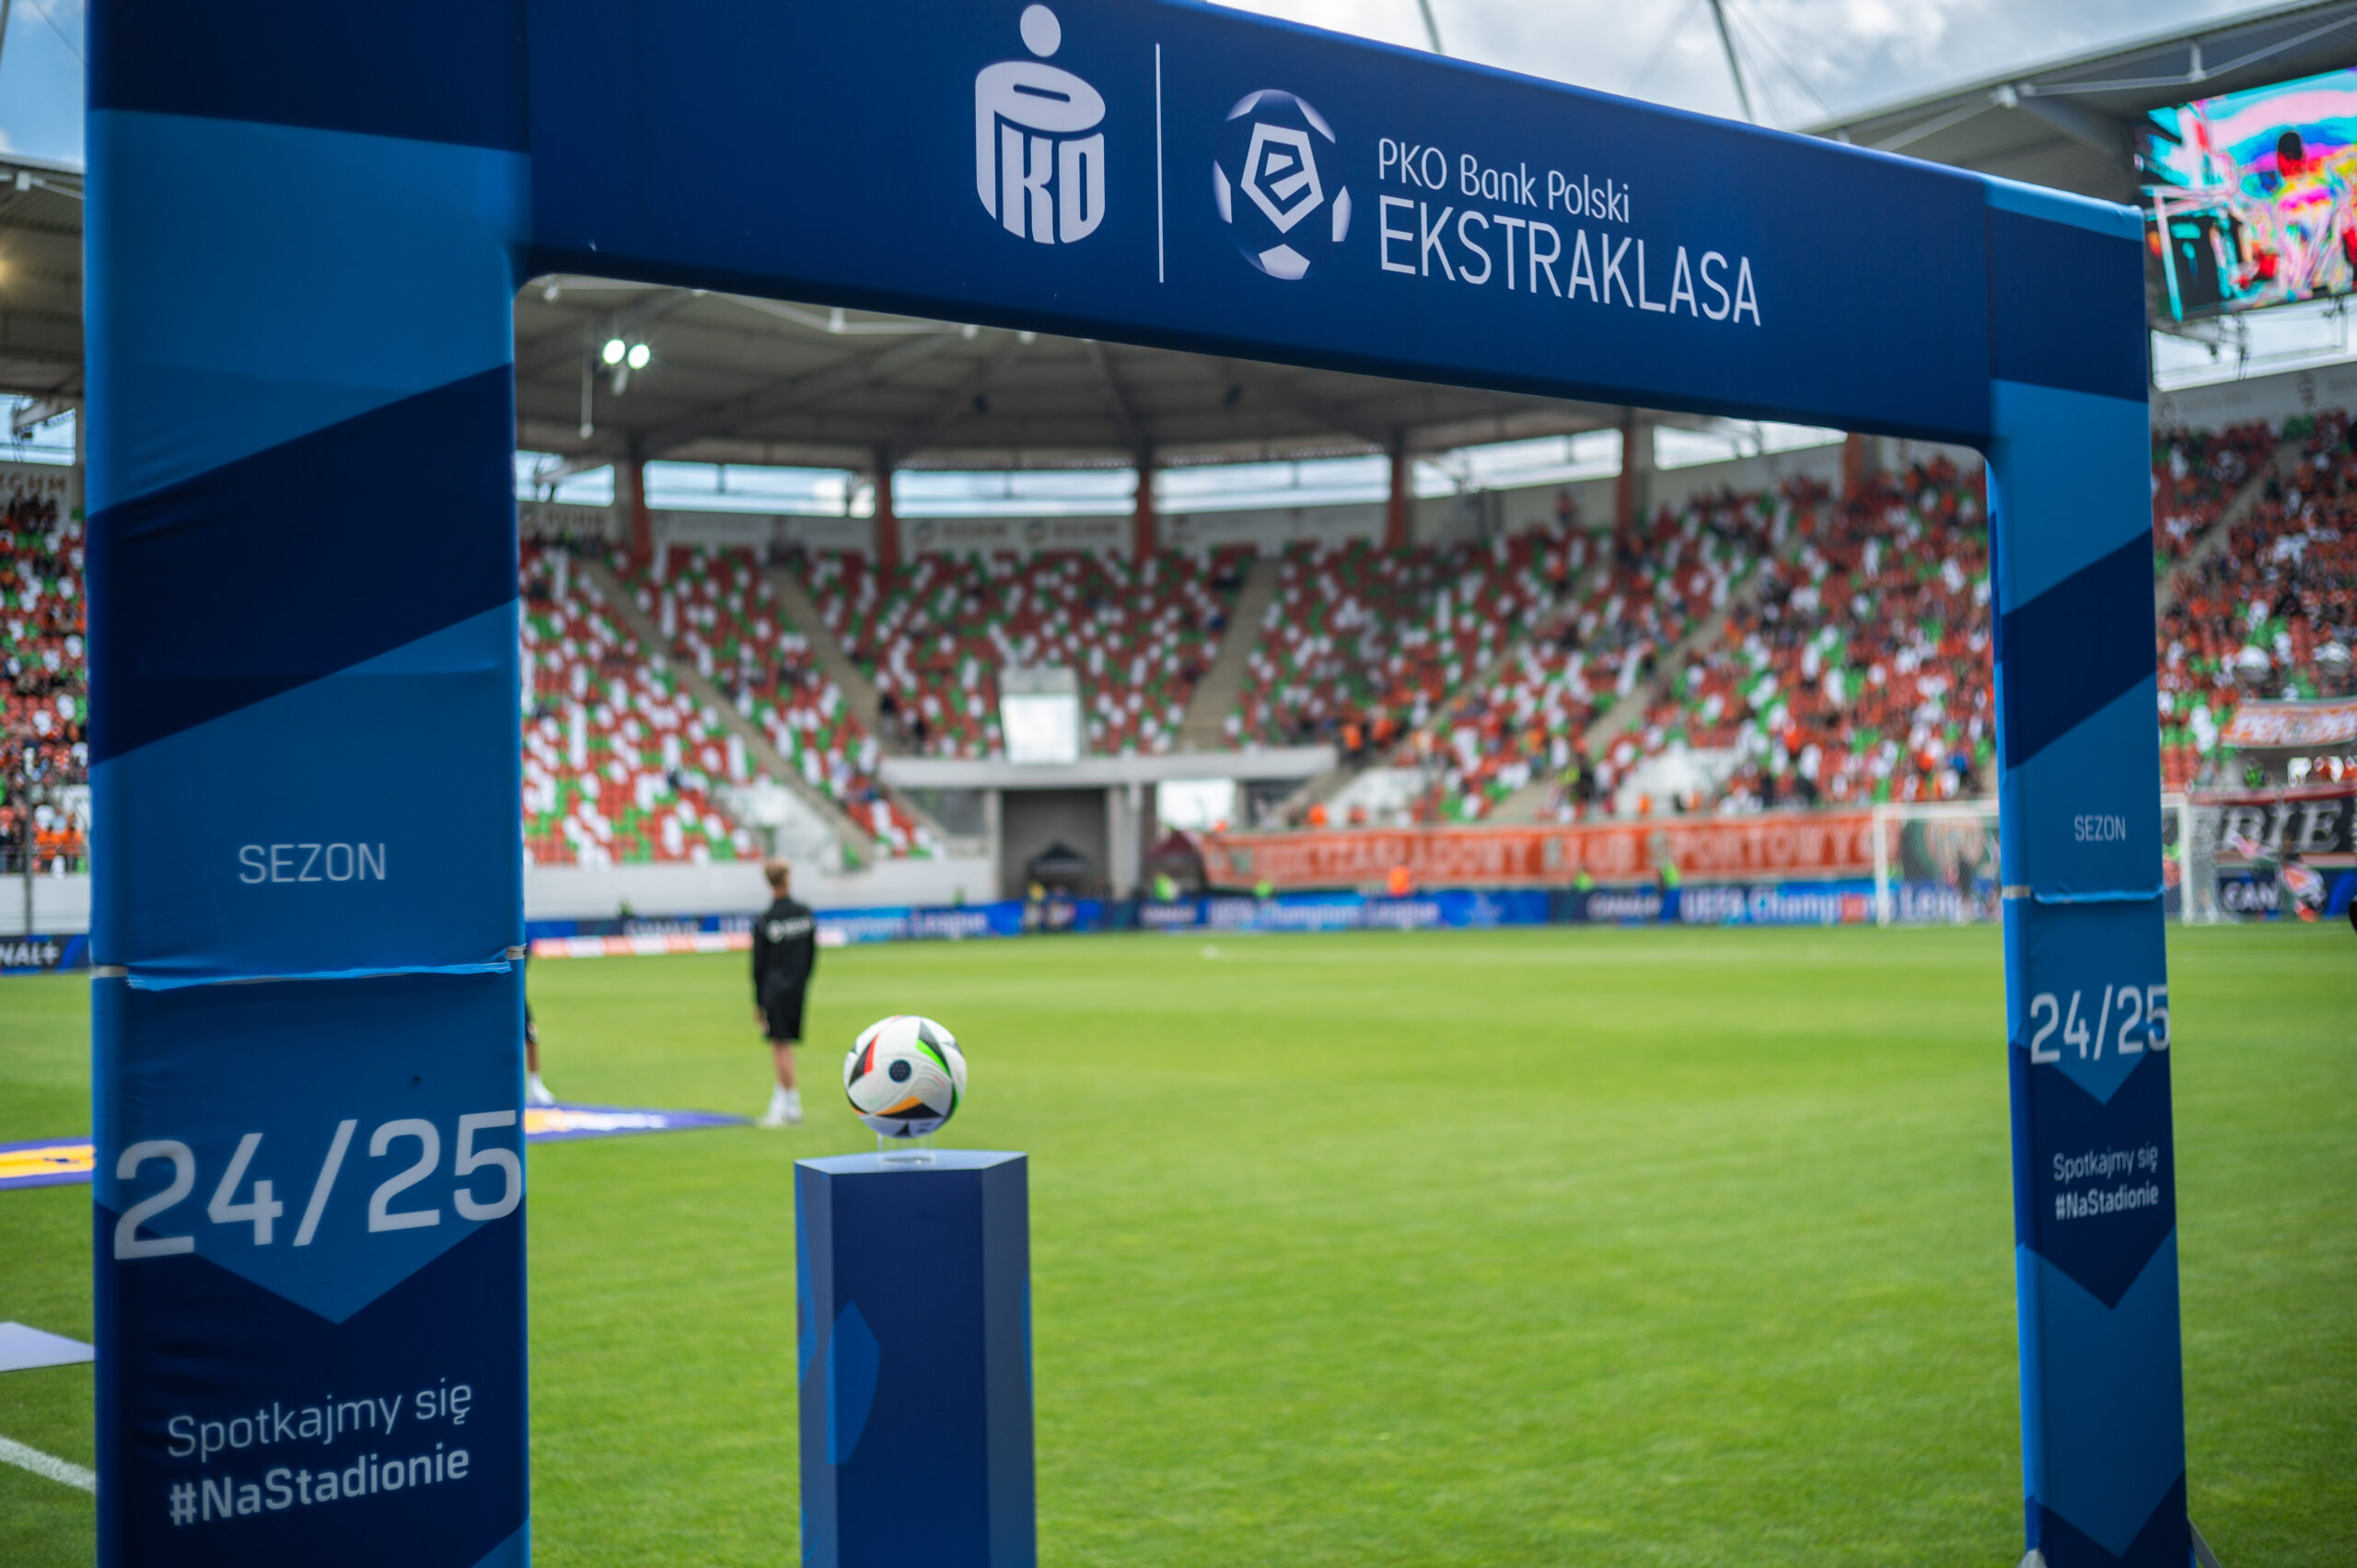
[{"x": 786, "y": 948}]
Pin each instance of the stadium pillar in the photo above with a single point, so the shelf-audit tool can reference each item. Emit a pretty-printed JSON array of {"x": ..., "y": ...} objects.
[
  {"x": 1633, "y": 490},
  {"x": 888, "y": 522},
  {"x": 1853, "y": 462},
  {"x": 1395, "y": 511},
  {"x": 630, "y": 480},
  {"x": 1142, "y": 541}
]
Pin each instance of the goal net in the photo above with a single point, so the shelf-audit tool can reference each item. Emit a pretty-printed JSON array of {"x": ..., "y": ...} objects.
[{"x": 1935, "y": 863}]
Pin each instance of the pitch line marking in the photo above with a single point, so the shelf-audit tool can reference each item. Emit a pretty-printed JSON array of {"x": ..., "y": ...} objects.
[{"x": 56, "y": 1470}]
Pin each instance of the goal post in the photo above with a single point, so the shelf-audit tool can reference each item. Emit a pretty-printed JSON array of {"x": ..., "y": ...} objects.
[{"x": 1935, "y": 862}]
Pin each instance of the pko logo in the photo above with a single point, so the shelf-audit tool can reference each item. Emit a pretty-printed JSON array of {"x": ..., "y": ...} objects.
[
  {"x": 1269, "y": 145},
  {"x": 1034, "y": 171}
]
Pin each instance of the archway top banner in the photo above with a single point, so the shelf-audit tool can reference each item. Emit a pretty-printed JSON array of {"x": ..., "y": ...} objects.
[{"x": 1188, "y": 176}]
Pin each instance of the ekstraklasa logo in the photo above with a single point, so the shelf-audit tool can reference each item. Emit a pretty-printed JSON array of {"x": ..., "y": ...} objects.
[{"x": 1268, "y": 187}]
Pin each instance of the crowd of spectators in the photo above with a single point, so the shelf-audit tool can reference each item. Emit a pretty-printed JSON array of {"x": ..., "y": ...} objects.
[
  {"x": 719, "y": 614},
  {"x": 44, "y": 683},
  {"x": 1862, "y": 672},
  {"x": 1622, "y": 603},
  {"x": 933, "y": 633},
  {"x": 1361, "y": 646},
  {"x": 2272, "y": 613},
  {"x": 2195, "y": 474},
  {"x": 618, "y": 765},
  {"x": 1846, "y": 657}
]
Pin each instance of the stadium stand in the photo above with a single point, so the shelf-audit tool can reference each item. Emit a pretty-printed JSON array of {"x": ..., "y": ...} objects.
[
  {"x": 617, "y": 765},
  {"x": 2270, "y": 614},
  {"x": 1638, "y": 597},
  {"x": 1863, "y": 673},
  {"x": 1837, "y": 650},
  {"x": 1824, "y": 652},
  {"x": 43, "y": 702},
  {"x": 2195, "y": 475},
  {"x": 933, "y": 633},
  {"x": 1359, "y": 645},
  {"x": 719, "y": 614}
]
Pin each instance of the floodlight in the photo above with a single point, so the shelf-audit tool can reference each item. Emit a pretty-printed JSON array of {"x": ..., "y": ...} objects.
[
  {"x": 615, "y": 349},
  {"x": 639, "y": 354}
]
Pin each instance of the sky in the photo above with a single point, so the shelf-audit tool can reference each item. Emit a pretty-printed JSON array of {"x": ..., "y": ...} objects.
[
  {"x": 1805, "y": 57},
  {"x": 41, "y": 80}
]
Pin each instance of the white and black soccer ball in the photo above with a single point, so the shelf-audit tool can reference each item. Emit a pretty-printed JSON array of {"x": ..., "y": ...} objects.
[{"x": 905, "y": 1075}]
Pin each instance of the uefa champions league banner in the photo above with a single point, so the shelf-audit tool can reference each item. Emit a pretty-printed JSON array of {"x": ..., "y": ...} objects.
[
  {"x": 1455, "y": 910},
  {"x": 1776, "y": 903}
]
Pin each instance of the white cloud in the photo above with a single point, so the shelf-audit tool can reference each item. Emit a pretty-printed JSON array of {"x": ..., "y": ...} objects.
[{"x": 1852, "y": 52}]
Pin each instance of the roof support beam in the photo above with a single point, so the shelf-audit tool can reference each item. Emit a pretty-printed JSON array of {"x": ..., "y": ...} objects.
[
  {"x": 786, "y": 397},
  {"x": 919, "y": 434},
  {"x": 578, "y": 462},
  {"x": 2082, "y": 124},
  {"x": 1309, "y": 405},
  {"x": 1117, "y": 401}
]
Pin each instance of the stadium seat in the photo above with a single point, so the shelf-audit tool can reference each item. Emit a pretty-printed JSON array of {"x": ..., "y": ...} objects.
[
  {"x": 722, "y": 616},
  {"x": 934, "y": 633},
  {"x": 619, "y": 766}
]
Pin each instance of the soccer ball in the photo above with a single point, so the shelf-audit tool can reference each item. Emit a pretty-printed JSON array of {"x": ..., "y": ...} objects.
[{"x": 904, "y": 1076}]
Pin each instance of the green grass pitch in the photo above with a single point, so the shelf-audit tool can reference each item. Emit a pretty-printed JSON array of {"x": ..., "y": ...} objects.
[{"x": 1547, "y": 1247}]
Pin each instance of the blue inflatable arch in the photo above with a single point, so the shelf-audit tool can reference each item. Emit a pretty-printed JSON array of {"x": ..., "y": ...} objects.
[{"x": 303, "y": 593}]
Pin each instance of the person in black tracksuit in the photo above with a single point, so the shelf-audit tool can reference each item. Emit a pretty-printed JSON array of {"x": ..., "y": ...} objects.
[{"x": 785, "y": 949}]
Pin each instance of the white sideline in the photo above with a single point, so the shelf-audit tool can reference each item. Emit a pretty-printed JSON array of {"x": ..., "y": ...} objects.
[{"x": 56, "y": 1470}]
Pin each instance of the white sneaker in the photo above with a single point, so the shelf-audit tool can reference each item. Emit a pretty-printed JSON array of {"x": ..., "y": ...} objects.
[
  {"x": 537, "y": 1093},
  {"x": 773, "y": 1117}
]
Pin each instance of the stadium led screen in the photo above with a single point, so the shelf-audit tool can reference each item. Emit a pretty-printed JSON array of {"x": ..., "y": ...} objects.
[{"x": 2252, "y": 195}]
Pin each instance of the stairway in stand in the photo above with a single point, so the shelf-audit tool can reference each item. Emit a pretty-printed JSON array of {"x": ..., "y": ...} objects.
[
  {"x": 764, "y": 753},
  {"x": 1526, "y": 804},
  {"x": 1204, "y": 729},
  {"x": 834, "y": 661},
  {"x": 2216, "y": 537}
]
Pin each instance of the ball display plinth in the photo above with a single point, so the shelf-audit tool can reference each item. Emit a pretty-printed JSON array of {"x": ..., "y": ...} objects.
[{"x": 912, "y": 1286}]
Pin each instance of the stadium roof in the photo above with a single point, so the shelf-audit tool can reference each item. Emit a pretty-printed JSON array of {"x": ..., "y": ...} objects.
[
  {"x": 2072, "y": 123},
  {"x": 741, "y": 381},
  {"x": 40, "y": 278}
]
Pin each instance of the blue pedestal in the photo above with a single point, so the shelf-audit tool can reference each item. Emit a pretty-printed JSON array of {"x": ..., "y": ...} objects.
[{"x": 913, "y": 1284}]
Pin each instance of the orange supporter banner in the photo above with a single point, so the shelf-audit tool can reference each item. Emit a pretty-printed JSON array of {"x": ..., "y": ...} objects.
[
  {"x": 1816, "y": 843},
  {"x": 2320, "y": 724}
]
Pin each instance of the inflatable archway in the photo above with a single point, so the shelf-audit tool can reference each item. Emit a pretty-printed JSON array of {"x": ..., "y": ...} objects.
[{"x": 306, "y": 227}]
